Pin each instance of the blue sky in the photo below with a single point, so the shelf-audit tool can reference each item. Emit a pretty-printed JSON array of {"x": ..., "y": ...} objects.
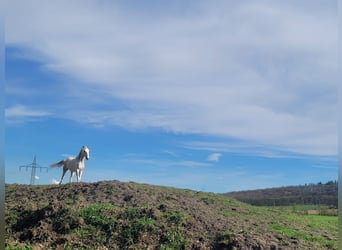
[{"x": 214, "y": 97}]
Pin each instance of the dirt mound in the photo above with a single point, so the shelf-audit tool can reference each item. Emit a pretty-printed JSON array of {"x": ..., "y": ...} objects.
[{"x": 117, "y": 215}]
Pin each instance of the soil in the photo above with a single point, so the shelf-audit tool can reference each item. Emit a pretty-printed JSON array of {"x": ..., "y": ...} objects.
[{"x": 119, "y": 215}]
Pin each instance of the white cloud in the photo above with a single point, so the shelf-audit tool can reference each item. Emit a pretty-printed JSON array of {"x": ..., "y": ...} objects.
[
  {"x": 54, "y": 181},
  {"x": 21, "y": 110},
  {"x": 214, "y": 157},
  {"x": 259, "y": 71},
  {"x": 262, "y": 150},
  {"x": 167, "y": 163},
  {"x": 192, "y": 164},
  {"x": 169, "y": 152},
  {"x": 21, "y": 113}
]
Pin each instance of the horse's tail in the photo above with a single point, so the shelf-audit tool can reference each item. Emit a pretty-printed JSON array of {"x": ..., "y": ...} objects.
[{"x": 58, "y": 164}]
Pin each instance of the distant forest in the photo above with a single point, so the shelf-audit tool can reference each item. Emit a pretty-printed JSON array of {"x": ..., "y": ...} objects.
[{"x": 308, "y": 194}]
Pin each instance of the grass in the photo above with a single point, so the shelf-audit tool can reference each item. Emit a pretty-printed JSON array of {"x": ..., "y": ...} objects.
[
  {"x": 299, "y": 234},
  {"x": 134, "y": 222},
  {"x": 18, "y": 248},
  {"x": 315, "y": 222},
  {"x": 98, "y": 215},
  {"x": 175, "y": 217},
  {"x": 319, "y": 221},
  {"x": 305, "y": 209},
  {"x": 128, "y": 225},
  {"x": 174, "y": 239},
  {"x": 225, "y": 237}
]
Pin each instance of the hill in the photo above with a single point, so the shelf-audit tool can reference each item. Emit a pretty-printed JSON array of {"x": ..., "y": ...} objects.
[
  {"x": 117, "y": 215},
  {"x": 310, "y": 194}
]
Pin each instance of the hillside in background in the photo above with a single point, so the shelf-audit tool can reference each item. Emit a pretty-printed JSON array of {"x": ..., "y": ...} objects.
[
  {"x": 310, "y": 194},
  {"x": 118, "y": 215}
]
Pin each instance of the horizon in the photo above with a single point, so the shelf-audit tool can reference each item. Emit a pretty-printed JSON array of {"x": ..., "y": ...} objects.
[
  {"x": 211, "y": 97},
  {"x": 335, "y": 182}
]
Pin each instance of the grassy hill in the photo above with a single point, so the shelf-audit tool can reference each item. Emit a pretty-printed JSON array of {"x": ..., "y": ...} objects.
[
  {"x": 117, "y": 215},
  {"x": 311, "y": 194}
]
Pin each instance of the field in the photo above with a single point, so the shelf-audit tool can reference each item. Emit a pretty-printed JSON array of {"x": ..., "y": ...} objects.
[
  {"x": 310, "y": 209},
  {"x": 118, "y": 215}
]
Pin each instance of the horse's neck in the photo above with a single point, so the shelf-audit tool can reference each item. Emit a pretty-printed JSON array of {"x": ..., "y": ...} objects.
[
  {"x": 80, "y": 156},
  {"x": 80, "y": 159}
]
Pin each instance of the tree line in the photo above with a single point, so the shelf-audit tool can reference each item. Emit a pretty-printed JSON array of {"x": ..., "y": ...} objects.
[{"x": 307, "y": 194}]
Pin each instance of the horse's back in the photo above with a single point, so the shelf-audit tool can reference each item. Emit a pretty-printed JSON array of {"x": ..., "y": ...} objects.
[{"x": 72, "y": 164}]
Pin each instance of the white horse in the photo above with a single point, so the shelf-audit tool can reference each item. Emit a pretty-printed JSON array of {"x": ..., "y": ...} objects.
[{"x": 75, "y": 165}]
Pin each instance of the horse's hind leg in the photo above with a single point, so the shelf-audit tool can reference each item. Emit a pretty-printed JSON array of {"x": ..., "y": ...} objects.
[
  {"x": 71, "y": 175},
  {"x": 64, "y": 171}
]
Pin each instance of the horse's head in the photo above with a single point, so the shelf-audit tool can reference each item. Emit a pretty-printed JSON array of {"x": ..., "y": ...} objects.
[{"x": 85, "y": 152}]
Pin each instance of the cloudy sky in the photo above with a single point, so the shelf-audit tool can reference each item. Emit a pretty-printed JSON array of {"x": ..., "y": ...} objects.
[{"x": 220, "y": 96}]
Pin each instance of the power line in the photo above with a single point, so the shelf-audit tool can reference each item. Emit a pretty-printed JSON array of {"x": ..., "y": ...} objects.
[{"x": 33, "y": 167}]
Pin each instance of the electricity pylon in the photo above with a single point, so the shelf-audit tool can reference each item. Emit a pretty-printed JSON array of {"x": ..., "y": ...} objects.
[{"x": 33, "y": 167}]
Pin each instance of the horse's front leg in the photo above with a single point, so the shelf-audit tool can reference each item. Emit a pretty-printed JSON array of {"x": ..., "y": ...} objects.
[
  {"x": 81, "y": 171},
  {"x": 79, "y": 174}
]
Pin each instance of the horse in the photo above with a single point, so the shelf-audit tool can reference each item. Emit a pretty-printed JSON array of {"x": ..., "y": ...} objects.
[{"x": 75, "y": 165}]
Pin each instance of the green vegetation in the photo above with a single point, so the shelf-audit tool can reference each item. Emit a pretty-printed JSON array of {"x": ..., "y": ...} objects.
[
  {"x": 299, "y": 234},
  {"x": 175, "y": 217},
  {"x": 303, "y": 222},
  {"x": 18, "y": 248},
  {"x": 98, "y": 215},
  {"x": 127, "y": 227},
  {"x": 225, "y": 238},
  {"x": 175, "y": 237},
  {"x": 135, "y": 221},
  {"x": 310, "y": 209}
]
